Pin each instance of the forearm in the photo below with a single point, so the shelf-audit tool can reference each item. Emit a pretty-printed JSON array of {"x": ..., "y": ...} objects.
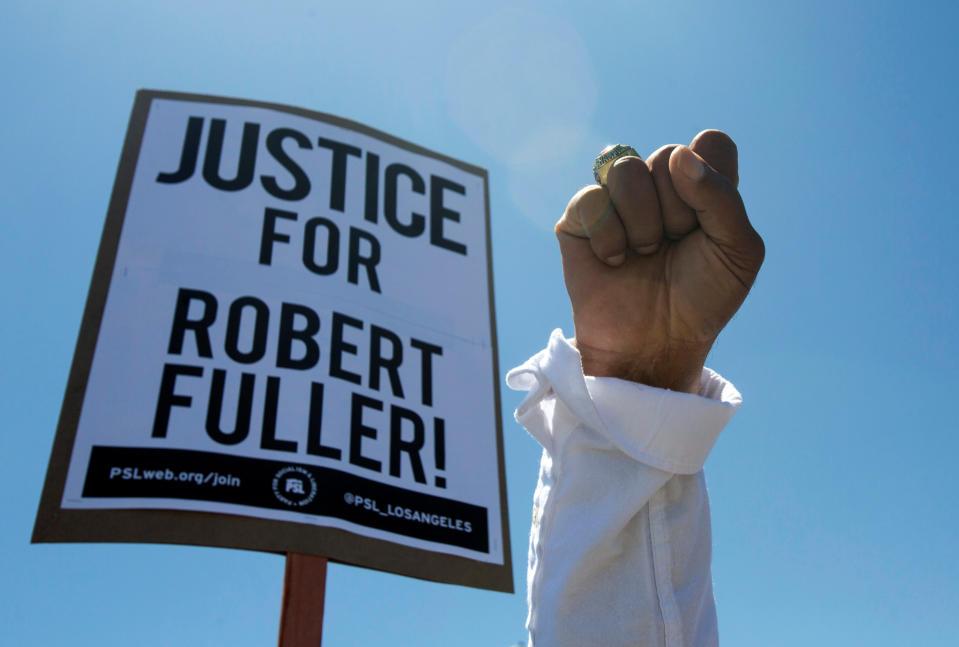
[{"x": 620, "y": 541}]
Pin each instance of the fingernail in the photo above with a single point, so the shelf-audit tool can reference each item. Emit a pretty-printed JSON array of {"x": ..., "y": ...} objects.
[
  {"x": 647, "y": 249},
  {"x": 615, "y": 260},
  {"x": 690, "y": 165}
]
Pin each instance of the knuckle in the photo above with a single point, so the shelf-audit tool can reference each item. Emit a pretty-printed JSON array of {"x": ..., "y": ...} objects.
[
  {"x": 643, "y": 238},
  {"x": 587, "y": 200},
  {"x": 584, "y": 195},
  {"x": 714, "y": 137},
  {"x": 680, "y": 224},
  {"x": 659, "y": 160},
  {"x": 626, "y": 169},
  {"x": 610, "y": 243},
  {"x": 629, "y": 163}
]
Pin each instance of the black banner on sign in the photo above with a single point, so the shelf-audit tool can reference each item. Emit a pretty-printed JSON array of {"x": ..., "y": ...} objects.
[{"x": 134, "y": 472}]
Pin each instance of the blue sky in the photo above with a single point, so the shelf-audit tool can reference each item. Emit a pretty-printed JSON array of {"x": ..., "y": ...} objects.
[{"x": 834, "y": 507}]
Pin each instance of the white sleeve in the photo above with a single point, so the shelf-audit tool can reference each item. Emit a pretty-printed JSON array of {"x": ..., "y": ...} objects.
[{"x": 620, "y": 542}]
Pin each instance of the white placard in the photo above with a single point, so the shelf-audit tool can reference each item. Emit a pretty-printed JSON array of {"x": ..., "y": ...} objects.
[{"x": 298, "y": 327}]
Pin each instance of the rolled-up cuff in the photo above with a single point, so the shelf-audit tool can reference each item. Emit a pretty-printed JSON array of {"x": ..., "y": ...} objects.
[{"x": 669, "y": 430}]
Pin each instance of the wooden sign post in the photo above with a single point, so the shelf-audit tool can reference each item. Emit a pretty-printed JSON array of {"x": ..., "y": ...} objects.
[{"x": 304, "y": 591}]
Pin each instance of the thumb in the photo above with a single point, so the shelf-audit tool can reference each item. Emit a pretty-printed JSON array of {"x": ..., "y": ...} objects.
[
  {"x": 719, "y": 207},
  {"x": 719, "y": 151}
]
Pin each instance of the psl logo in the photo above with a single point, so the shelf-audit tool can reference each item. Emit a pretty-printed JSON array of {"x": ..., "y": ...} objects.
[{"x": 294, "y": 486}]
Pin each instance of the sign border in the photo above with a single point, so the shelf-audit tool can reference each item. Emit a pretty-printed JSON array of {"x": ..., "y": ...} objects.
[{"x": 57, "y": 524}]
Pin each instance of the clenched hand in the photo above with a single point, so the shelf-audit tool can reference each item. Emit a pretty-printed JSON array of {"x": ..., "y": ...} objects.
[{"x": 658, "y": 261}]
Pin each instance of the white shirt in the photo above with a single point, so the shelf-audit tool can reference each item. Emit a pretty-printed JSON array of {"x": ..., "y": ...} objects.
[{"x": 620, "y": 543}]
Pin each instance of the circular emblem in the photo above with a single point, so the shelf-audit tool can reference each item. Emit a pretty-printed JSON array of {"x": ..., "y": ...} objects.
[{"x": 294, "y": 486}]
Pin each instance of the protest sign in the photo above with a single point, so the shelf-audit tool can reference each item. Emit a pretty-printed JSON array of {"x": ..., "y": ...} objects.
[{"x": 289, "y": 345}]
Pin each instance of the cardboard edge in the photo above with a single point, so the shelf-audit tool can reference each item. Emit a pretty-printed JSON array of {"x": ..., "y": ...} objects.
[
  {"x": 52, "y": 494},
  {"x": 319, "y": 116},
  {"x": 267, "y": 535},
  {"x": 494, "y": 340}
]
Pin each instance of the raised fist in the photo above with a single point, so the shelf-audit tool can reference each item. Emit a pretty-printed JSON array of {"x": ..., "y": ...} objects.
[{"x": 657, "y": 261}]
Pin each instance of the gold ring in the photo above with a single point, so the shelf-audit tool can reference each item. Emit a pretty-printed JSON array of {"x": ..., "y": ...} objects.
[{"x": 604, "y": 161}]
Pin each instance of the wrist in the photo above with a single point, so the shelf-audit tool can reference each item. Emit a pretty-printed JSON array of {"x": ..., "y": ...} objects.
[{"x": 677, "y": 368}]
